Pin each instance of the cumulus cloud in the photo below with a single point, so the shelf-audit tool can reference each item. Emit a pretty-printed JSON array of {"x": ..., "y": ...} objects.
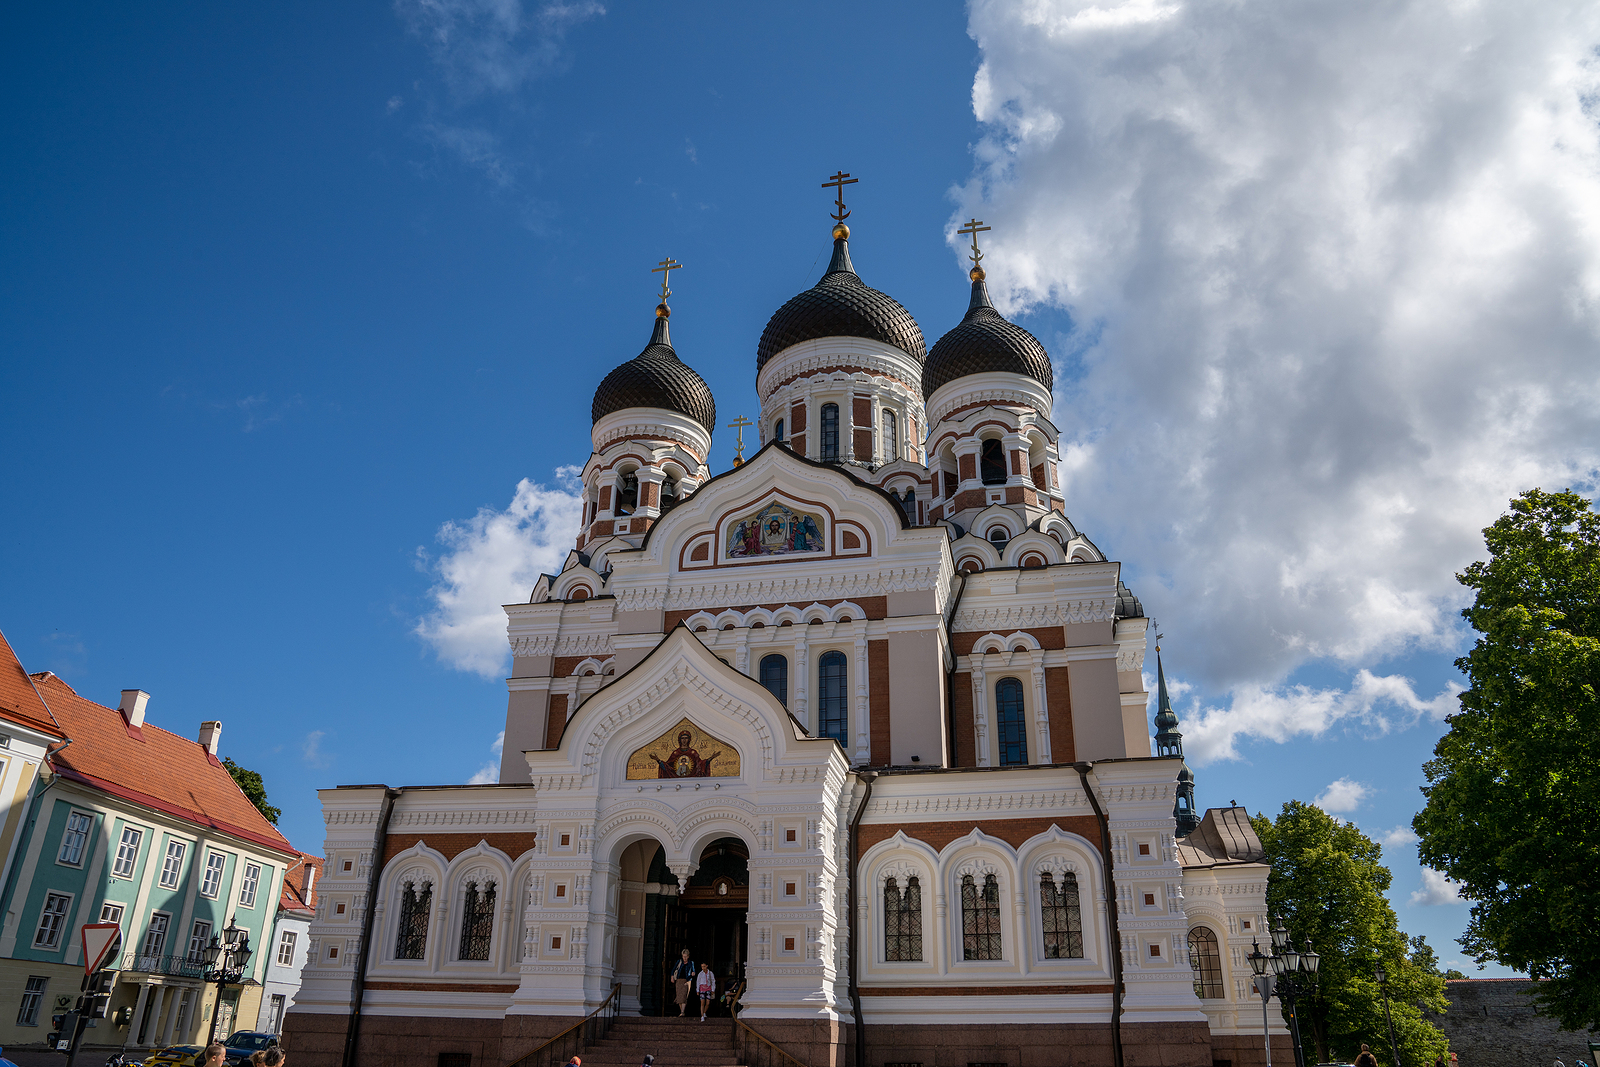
[
  {"x": 1400, "y": 835},
  {"x": 1334, "y": 278},
  {"x": 1344, "y": 795},
  {"x": 491, "y": 559},
  {"x": 1436, "y": 889},
  {"x": 489, "y": 773},
  {"x": 311, "y": 749}
]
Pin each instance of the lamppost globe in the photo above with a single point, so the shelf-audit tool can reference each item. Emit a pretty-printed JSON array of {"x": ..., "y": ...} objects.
[
  {"x": 241, "y": 955},
  {"x": 1291, "y": 958},
  {"x": 1257, "y": 958},
  {"x": 1378, "y": 973},
  {"x": 213, "y": 951},
  {"x": 1280, "y": 937},
  {"x": 1310, "y": 961},
  {"x": 1279, "y": 965}
]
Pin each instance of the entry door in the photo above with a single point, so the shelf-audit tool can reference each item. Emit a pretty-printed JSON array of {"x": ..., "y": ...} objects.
[{"x": 677, "y": 927}]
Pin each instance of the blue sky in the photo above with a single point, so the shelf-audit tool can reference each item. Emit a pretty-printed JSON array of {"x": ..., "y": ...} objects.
[{"x": 290, "y": 292}]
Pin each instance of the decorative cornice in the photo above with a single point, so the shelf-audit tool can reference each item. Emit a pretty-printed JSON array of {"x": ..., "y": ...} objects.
[
  {"x": 963, "y": 805},
  {"x": 785, "y": 590},
  {"x": 1030, "y": 616}
]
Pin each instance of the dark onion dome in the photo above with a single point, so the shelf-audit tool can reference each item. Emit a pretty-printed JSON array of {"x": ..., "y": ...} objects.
[
  {"x": 656, "y": 378},
  {"x": 841, "y": 305},
  {"x": 982, "y": 342}
]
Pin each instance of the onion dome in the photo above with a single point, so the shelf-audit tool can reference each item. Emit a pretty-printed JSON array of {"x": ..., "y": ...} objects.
[
  {"x": 985, "y": 342},
  {"x": 841, "y": 305},
  {"x": 656, "y": 378}
]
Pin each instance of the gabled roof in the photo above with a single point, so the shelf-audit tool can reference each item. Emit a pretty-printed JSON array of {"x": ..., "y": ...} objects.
[
  {"x": 157, "y": 769},
  {"x": 18, "y": 702},
  {"x": 1223, "y": 837},
  {"x": 296, "y": 897}
]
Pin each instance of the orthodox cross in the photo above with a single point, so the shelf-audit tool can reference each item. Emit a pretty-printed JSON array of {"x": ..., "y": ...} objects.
[
  {"x": 665, "y": 269},
  {"x": 974, "y": 228},
  {"x": 739, "y": 424},
  {"x": 839, "y": 180}
]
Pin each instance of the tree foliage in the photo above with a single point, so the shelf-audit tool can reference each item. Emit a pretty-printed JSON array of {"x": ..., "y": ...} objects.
[
  {"x": 1327, "y": 886},
  {"x": 1513, "y": 808},
  {"x": 254, "y": 788}
]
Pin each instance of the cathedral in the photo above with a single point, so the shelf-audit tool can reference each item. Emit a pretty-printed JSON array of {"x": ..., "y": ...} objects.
[{"x": 859, "y": 723}]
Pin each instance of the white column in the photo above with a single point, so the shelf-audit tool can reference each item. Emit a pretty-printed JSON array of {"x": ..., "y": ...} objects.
[
  {"x": 863, "y": 725},
  {"x": 802, "y": 674},
  {"x": 138, "y": 1015},
  {"x": 172, "y": 1016},
  {"x": 1041, "y": 709},
  {"x": 157, "y": 1015},
  {"x": 878, "y": 453},
  {"x": 980, "y": 712}
]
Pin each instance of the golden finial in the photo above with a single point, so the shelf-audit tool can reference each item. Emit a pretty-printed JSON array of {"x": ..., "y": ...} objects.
[
  {"x": 837, "y": 183},
  {"x": 665, "y": 269},
  {"x": 739, "y": 424},
  {"x": 975, "y": 227}
]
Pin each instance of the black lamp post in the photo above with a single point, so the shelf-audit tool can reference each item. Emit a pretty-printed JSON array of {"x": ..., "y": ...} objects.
[
  {"x": 1294, "y": 975},
  {"x": 225, "y": 965},
  {"x": 1382, "y": 977},
  {"x": 1263, "y": 985}
]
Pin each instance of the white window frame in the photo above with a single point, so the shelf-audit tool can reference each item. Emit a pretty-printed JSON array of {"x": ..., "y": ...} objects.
[
  {"x": 75, "y": 838},
  {"x": 172, "y": 863},
  {"x": 199, "y": 937},
  {"x": 112, "y": 912},
  {"x": 56, "y": 930},
  {"x": 127, "y": 861},
  {"x": 211, "y": 883},
  {"x": 249, "y": 885},
  {"x": 166, "y": 931},
  {"x": 286, "y": 947},
  {"x": 32, "y": 999}
]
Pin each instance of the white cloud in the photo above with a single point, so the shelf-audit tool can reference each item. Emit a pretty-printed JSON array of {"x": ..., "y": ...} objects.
[
  {"x": 1400, "y": 835},
  {"x": 489, "y": 773},
  {"x": 1436, "y": 889},
  {"x": 485, "y": 46},
  {"x": 1335, "y": 275},
  {"x": 493, "y": 558},
  {"x": 1344, "y": 795},
  {"x": 311, "y": 749}
]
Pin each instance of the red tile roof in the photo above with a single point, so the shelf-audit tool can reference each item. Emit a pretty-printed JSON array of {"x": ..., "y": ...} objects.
[
  {"x": 151, "y": 767},
  {"x": 295, "y": 895},
  {"x": 18, "y": 702}
]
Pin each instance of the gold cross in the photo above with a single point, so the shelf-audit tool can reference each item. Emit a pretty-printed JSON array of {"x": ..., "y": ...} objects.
[
  {"x": 739, "y": 424},
  {"x": 839, "y": 180},
  {"x": 974, "y": 228},
  {"x": 665, "y": 269}
]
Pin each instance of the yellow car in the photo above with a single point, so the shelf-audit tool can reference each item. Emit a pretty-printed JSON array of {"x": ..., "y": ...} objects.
[{"x": 178, "y": 1056}]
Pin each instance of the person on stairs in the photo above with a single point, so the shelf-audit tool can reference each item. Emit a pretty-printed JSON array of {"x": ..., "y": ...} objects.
[
  {"x": 705, "y": 987},
  {"x": 683, "y": 978}
]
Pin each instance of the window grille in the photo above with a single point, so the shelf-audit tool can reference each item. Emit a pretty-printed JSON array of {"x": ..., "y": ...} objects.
[
  {"x": 286, "y": 948},
  {"x": 1061, "y": 918},
  {"x": 172, "y": 866},
  {"x": 73, "y": 838},
  {"x": 980, "y": 918},
  {"x": 51, "y": 920},
  {"x": 1012, "y": 722},
  {"x": 249, "y": 883},
  {"x": 413, "y": 937},
  {"x": 32, "y": 997},
  {"x": 477, "y": 922},
  {"x": 830, "y": 432},
  {"x": 902, "y": 920},
  {"x": 833, "y": 718},
  {"x": 992, "y": 465},
  {"x": 775, "y": 677},
  {"x": 212, "y": 883},
  {"x": 1207, "y": 963},
  {"x": 127, "y": 852}
]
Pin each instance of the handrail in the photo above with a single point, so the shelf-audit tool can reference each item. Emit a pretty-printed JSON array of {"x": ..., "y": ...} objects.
[
  {"x": 733, "y": 1014},
  {"x": 587, "y": 1031},
  {"x": 774, "y": 1056}
]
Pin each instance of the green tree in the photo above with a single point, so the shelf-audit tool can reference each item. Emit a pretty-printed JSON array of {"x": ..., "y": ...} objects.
[
  {"x": 1512, "y": 813},
  {"x": 251, "y": 785},
  {"x": 1327, "y": 886}
]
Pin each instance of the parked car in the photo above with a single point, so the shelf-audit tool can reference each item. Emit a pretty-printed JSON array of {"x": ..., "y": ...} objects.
[
  {"x": 242, "y": 1043},
  {"x": 178, "y": 1056}
]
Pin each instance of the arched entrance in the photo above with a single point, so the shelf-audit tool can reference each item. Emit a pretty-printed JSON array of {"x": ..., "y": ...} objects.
[{"x": 707, "y": 917}]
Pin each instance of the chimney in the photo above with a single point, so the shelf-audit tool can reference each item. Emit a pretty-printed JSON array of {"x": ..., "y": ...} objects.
[
  {"x": 132, "y": 706},
  {"x": 211, "y": 735}
]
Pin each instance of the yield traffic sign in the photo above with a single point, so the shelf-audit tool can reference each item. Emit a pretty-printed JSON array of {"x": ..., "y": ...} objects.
[{"x": 100, "y": 941}]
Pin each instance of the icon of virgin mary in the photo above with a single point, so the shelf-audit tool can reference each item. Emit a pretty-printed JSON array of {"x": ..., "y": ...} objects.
[{"x": 684, "y": 761}]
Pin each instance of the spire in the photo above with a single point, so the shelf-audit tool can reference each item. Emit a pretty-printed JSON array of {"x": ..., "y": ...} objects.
[
  {"x": 1169, "y": 742},
  {"x": 980, "y": 294},
  {"x": 840, "y": 264},
  {"x": 662, "y": 335},
  {"x": 1166, "y": 721}
]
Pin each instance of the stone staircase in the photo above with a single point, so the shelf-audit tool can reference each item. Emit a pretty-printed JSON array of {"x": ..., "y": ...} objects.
[{"x": 674, "y": 1042}]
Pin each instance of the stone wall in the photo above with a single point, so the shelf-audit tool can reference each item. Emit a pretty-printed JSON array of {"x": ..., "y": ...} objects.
[{"x": 1493, "y": 1023}]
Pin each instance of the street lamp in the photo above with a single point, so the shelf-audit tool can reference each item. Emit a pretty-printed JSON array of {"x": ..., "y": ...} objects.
[
  {"x": 1294, "y": 974},
  {"x": 1379, "y": 973},
  {"x": 1263, "y": 984},
  {"x": 226, "y": 958}
]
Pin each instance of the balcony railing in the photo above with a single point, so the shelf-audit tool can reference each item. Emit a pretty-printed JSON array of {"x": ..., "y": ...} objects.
[{"x": 178, "y": 966}]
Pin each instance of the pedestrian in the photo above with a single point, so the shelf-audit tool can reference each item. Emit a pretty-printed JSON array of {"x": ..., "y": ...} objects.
[
  {"x": 705, "y": 987},
  {"x": 683, "y": 977},
  {"x": 273, "y": 1057},
  {"x": 214, "y": 1055},
  {"x": 1366, "y": 1059},
  {"x": 258, "y": 1059},
  {"x": 575, "y": 1061},
  {"x": 648, "y": 1060}
]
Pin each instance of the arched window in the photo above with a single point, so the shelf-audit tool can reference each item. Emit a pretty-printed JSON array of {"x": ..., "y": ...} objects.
[
  {"x": 833, "y": 720},
  {"x": 413, "y": 937},
  {"x": 999, "y": 537},
  {"x": 830, "y": 431},
  {"x": 1012, "y": 722},
  {"x": 628, "y": 497},
  {"x": 777, "y": 430},
  {"x": 1207, "y": 963},
  {"x": 669, "y": 492},
  {"x": 980, "y": 918},
  {"x": 891, "y": 437},
  {"x": 902, "y": 920},
  {"x": 909, "y": 505},
  {"x": 775, "y": 677},
  {"x": 992, "y": 466},
  {"x": 477, "y": 922},
  {"x": 1062, "y": 920}
]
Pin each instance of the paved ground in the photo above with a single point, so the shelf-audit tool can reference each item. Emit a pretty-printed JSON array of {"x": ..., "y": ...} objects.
[{"x": 91, "y": 1056}]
